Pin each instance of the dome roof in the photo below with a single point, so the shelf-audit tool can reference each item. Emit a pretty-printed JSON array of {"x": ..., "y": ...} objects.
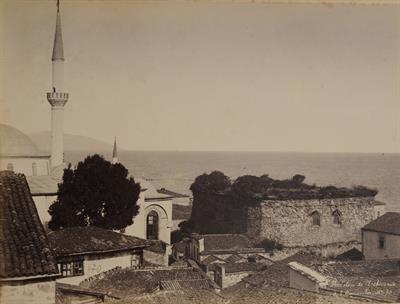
[{"x": 15, "y": 143}]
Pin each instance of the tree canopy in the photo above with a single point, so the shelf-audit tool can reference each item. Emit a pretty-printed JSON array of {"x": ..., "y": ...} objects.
[{"x": 95, "y": 193}]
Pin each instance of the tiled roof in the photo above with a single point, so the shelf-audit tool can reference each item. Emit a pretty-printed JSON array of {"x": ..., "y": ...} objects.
[
  {"x": 184, "y": 284},
  {"x": 389, "y": 223},
  {"x": 379, "y": 278},
  {"x": 24, "y": 247},
  {"x": 79, "y": 240},
  {"x": 211, "y": 259},
  {"x": 150, "y": 192},
  {"x": 243, "y": 267},
  {"x": 171, "y": 193},
  {"x": 129, "y": 282},
  {"x": 234, "y": 258},
  {"x": 353, "y": 255}
]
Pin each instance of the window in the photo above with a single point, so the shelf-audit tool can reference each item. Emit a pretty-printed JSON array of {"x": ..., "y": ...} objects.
[
  {"x": 10, "y": 167},
  {"x": 381, "y": 242},
  {"x": 135, "y": 260},
  {"x": 337, "y": 220},
  {"x": 34, "y": 169},
  {"x": 316, "y": 218},
  {"x": 71, "y": 269},
  {"x": 152, "y": 226},
  {"x": 251, "y": 259}
]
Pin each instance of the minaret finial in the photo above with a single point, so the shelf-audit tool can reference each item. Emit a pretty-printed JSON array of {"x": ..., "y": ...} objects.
[
  {"x": 115, "y": 152},
  {"x": 58, "y": 49}
]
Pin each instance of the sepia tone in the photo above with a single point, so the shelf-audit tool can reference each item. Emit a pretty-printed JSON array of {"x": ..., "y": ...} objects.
[{"x": 199, "y": 151}]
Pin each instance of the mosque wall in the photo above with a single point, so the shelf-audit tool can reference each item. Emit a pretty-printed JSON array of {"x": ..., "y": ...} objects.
[{"x": 27, "y": 165}]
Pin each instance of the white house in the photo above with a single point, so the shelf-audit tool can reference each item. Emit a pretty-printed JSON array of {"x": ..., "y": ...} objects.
[{"x": 381, "y": 237}]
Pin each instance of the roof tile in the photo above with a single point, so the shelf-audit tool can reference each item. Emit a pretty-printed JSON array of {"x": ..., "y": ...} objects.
[{"x": 24, "y": 247}]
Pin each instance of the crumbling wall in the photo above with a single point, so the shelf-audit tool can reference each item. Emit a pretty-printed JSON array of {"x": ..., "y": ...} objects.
[{"x": 290, "y": 222}]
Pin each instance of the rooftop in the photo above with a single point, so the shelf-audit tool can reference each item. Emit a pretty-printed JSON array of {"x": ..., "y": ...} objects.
[
  {"x": 80, "y": 240},
  {"x": 24, "y": 247},
  {"x": 224, "y": 242},
  {"x": 14, "y": 143},
  {"x": 172, "y": 193},
  {"x": 389, "y": 223},
  {"x": 243, "y": 267},
  {"x": 129, "y": 282},
  {"x": 378, "y": 278},
  {"x": 150, "y": 192}
]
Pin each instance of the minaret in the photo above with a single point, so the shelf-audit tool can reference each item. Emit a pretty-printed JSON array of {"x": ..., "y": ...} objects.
[
  {"x": 57, "y": 97},
  {"x": 115, "y": 153}
]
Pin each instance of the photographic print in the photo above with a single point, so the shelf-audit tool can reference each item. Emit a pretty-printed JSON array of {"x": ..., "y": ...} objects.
[{"x": 199, "y": 152}]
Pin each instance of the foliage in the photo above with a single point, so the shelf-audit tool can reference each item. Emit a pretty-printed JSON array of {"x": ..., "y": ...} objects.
[
  {"x": 214, "y": 182},
  {"x": 269, "y": 245},
  {"x": 95, "y": 193}
]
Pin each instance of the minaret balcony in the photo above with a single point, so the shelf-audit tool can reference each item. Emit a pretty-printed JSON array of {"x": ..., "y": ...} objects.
[{"x": 57, "y": 99}]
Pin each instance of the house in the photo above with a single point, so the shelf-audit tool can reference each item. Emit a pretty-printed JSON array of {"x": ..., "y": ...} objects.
[
  {"x": 228, "y": 274},
  {"x": 220, "y": 245},
  {"x": 27, "y": 266},
  {"x": 83, "y": 252},
  {"x": 156, "y": 254},
  {"x": 377, "y": 280},
  {"x": 210, "y": 249},
  {"x": 381, "y": 237}
]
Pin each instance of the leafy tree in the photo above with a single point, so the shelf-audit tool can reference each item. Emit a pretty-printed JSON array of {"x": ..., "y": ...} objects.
[
  {"x": 213, "y": 182},
  {"x": 250, "y": 184},
  {"x": 95, "y": 193},
  {"x": 298, "y": 179}
]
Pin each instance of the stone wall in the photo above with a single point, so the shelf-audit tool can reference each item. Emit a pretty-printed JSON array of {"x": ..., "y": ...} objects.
[
  {"x": 28, "y": 292},
  {"x": 290, "y": 222},
  {"x": 156, "y": 258}
]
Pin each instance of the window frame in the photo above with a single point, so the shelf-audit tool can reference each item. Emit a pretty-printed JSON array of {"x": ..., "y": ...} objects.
[
  {"x": 337, "y": 217},
  {"x": 316, "y": 219},
  {"x": 72, "y": 268},
  {"x": 381, "y": 242}
]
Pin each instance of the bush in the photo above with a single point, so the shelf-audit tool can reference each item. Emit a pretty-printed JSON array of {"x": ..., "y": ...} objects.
[{"x": 270, "y": 245}]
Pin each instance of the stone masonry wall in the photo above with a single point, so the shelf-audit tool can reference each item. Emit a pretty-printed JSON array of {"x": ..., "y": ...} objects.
[{"x": 290, "y": 222}]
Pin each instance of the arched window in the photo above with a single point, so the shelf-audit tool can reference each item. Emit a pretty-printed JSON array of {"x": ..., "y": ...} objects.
[
  {"x": 152, "y": 226},
  {"x": 34, "y": 169},
  {"x": 337, "y": 217},
  {"x": 316, "y": 218},
  {"x": 10, "y": 167}
]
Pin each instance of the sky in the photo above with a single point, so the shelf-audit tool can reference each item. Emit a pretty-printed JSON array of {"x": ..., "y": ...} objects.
[{"x": 209, "y": 75}]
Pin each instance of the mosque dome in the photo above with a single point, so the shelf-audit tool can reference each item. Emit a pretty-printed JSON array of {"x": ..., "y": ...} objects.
[{"x": 15, "y": 143}]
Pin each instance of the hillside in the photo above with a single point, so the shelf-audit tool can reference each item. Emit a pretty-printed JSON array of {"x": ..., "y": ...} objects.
[{"x": 71, "y": 142}]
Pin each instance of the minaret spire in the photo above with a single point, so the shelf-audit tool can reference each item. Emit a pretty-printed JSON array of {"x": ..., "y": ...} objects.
[
  {"x": 57, "y": 97},
  {"x": 115, "y": 152}
]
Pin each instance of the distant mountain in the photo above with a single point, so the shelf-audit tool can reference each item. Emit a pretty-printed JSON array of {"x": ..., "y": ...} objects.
[{"x": 71, "y": 142}]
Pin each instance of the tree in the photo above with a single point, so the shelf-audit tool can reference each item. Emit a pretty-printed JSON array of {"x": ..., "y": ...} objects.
[
  {"x": 95, "y": 193},
  {"x": 213, "y": 182}
]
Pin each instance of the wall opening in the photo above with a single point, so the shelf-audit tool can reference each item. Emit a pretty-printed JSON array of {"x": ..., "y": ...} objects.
[{"x": 152, "y": 226}]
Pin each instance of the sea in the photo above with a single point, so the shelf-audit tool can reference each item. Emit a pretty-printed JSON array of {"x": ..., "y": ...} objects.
[{"x": 176, "y": 170}]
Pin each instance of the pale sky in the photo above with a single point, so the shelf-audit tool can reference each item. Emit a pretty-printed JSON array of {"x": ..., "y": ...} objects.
[{"x": 202, "y": 75}]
